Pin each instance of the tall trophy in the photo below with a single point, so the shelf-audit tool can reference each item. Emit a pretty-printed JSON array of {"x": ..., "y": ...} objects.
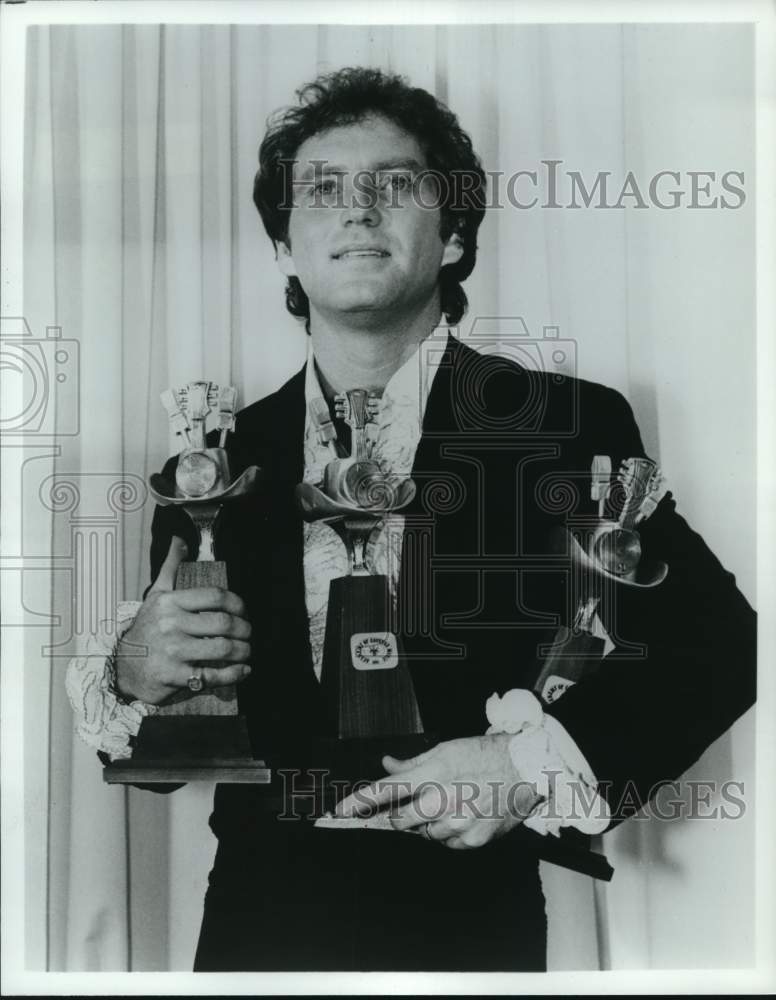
[
  {"x": 367, "y": 687},
  {"x": 606, "y": 553},
  {"x": 198, "y": 735}
]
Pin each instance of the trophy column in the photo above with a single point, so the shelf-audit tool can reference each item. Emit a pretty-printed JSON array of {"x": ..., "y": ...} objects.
[
  {"x": 367, "y": 687},
  {"x": 365, "y": 679}
]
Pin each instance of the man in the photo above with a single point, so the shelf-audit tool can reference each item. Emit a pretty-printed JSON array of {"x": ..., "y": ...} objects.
[{"x": 373, "y": 196}]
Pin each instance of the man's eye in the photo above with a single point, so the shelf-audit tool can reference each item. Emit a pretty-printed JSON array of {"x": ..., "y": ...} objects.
[
  {"x": 396, "y": 182},
  {"x": 329, "y": 186},
  {"x": 323, "y": 192}
]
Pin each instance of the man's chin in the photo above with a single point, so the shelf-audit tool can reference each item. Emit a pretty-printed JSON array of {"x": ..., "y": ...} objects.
[
  {"x": 373, "y": 310},
  {"x": 367, "y": 309}
]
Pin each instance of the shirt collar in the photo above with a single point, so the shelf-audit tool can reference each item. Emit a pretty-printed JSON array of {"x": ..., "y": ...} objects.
[{"x": 412, "y": 382}]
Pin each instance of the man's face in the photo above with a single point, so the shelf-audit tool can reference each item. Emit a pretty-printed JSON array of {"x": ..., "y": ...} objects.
[{"x": 364, "y": 236}]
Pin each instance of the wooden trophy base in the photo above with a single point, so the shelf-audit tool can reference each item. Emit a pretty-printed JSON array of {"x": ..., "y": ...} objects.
[
  {"x": 573, "y": 656},
  {"x": 185, "y": 748},
  {"x": 196, "y": 736},
  {"x": 367, "y": 687}
]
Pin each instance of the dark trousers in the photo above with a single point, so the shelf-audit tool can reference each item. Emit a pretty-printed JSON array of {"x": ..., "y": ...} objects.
[{"x": 309, "y": 900}]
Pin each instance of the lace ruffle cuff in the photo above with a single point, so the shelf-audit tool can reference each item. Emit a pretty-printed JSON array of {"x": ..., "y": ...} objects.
[
  {"x": 103, "y": 720},
  {"x": 546, "y": 756}
]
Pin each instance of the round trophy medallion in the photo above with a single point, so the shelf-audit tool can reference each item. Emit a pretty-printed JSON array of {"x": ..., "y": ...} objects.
[
  {"x": 618, "y": 551},
  {"x": 367, "y": 487},
  {"x": 196, "y": 474}
]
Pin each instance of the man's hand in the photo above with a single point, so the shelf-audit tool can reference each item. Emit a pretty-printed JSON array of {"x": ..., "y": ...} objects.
[
  {"x": 175, "y": 630},
  {"x": 462, "y": 793}
]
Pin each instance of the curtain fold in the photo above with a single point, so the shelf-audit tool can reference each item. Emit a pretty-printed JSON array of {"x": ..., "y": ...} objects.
[{"x": 142, "y": 244}]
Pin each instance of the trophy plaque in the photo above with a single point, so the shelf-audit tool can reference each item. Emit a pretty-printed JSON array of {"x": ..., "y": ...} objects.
[
  {"x": 368, "y": 692},
  {"x": 605, "y": 552},
  {"x": 198, "y": 735}
]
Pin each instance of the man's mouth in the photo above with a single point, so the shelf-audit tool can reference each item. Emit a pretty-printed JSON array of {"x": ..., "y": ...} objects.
[{"x": 360, "y": 252}]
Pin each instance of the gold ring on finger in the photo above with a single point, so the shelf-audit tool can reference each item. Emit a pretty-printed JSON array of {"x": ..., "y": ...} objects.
[{"x": 195, "y": 682}]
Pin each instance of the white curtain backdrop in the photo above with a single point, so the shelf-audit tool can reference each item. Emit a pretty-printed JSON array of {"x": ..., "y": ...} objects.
[{"x": 142, "y": 244}]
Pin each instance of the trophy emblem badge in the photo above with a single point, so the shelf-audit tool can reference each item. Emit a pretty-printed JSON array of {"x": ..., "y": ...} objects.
[{"x": 374, "y": 652}]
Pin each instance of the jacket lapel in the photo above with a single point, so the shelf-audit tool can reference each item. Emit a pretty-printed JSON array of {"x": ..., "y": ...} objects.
[
  {"x": 470, "y": 613},
  {"x": 283, "y": 693}
]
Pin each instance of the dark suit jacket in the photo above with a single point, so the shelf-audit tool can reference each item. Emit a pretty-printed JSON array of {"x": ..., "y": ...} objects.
[{"x": 504, "y": 457}]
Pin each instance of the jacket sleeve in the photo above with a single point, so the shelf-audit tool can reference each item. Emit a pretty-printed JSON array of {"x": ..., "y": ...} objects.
[{"x": 690, "y": 670}]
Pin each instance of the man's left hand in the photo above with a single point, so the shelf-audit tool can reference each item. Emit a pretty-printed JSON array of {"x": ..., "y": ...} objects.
[{"x": 462, "y": 793}]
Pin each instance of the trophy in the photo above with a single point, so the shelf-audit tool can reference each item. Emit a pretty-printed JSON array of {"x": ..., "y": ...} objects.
[
  {"x": 197, "y": 735},
  {"x": 368, "y": 692},
  {"x": 605, "y": 552}
]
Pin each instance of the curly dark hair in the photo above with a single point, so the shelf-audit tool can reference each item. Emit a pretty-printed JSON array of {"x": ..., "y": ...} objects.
[{"x": 345, "y": 98}]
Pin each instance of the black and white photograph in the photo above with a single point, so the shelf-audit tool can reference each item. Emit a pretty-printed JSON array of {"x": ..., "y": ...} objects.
[{"x": 388, "y": 494}]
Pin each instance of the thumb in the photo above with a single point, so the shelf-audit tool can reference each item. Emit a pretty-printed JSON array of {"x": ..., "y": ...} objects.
[
  {"x": 177, "y": 553},
  {"x": 394, "y": 765}
]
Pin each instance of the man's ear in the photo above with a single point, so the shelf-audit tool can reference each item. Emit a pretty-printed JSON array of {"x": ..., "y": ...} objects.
[
  {"x": 284, "y": 259},
  {"x": 453, "y": 250}
]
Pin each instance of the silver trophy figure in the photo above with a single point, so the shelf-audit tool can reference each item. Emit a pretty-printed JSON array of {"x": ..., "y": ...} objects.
[
  {"x": 606, "y": 552},
  {"x": 198, "y": 734},
  {"x": 367, "y": 685}
]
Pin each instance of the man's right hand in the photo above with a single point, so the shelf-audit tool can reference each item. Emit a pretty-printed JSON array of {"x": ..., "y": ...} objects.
[{"x": 175, "y": 631}]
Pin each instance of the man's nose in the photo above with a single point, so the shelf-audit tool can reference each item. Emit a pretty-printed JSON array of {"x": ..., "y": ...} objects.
[{"x": 362, "y": 205}]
